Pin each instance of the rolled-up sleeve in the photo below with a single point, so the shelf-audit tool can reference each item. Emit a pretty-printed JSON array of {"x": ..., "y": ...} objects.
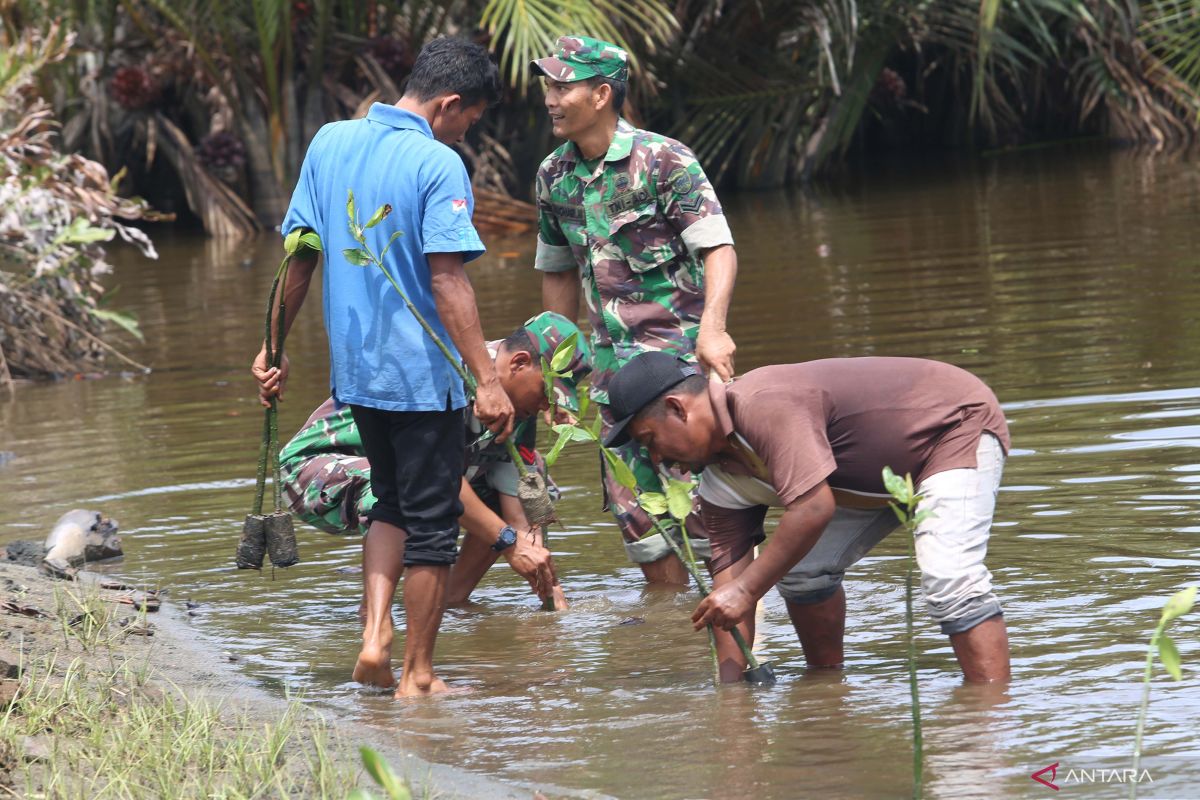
[
  {"x": 732, "y": 532},
  {"x": 553, "y": 251},
  {"x": 689, "y": 201}
]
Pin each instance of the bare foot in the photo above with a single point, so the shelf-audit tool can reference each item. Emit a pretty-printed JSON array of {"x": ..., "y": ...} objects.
[
  {"x": 374, "y": 667},
  {"x": 420, "y": 685}
]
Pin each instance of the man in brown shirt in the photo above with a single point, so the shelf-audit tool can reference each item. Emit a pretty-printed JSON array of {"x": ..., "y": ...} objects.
[{"x": 814, "y": 438}]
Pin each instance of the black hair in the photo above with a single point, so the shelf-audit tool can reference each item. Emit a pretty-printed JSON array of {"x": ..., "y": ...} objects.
[
  {"x": 691, "y": 385},
  {"x": 519, "y": 341},
  {"x": 451, "y": 65},
  {"x": 619, "y": 88}
]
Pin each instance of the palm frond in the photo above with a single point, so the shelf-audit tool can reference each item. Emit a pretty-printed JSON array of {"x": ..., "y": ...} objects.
[{"x": 524, "y": 30}]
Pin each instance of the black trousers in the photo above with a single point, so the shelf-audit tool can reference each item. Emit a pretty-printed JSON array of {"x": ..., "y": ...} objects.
[{"x": 416, "y": 462}]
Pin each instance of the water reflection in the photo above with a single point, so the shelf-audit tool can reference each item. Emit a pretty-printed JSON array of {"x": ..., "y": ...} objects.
[{"x": 1067, "y": 282}]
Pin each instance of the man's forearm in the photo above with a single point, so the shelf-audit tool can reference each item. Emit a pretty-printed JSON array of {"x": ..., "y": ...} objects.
[
  {"x": 299, "y": 276},
  {"x": 560, "y": 293},
  {"x": 455, "y": 300},
  {"x": 720, "y": 274},
  {"x": 478, "y": 520},
  {"x": 798, "y": 530}
]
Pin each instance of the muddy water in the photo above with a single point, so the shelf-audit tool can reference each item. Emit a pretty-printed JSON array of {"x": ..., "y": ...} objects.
[{"x": 1067, "y": 280}]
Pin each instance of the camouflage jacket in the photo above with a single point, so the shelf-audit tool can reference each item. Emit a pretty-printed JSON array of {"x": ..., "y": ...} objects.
[{"x": 634, "y": 224}]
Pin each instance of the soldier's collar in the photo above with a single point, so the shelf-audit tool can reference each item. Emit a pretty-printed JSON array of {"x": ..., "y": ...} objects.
[{"x": 620, "y": 146}]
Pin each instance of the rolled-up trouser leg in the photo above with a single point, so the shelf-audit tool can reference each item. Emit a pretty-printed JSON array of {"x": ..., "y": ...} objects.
[
  {"x": 951, "y": 543},
  {"x": 416, "y": 460}
]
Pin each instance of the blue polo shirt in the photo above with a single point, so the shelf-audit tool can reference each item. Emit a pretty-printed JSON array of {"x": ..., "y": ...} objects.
[{"x": 378, "y": 354}]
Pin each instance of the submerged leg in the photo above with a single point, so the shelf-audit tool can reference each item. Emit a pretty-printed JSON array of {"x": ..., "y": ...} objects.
[
  {"x": 982, "y": 651},
  {"x": 821, "y": 628},
  {"x": 383, "y": 561}
]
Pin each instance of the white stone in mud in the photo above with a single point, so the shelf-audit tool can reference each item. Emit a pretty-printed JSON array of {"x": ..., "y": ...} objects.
[{"x": 79, "y": 537}]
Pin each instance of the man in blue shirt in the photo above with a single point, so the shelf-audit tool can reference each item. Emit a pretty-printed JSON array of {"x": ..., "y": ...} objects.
[{"x": 404, "y": 395}]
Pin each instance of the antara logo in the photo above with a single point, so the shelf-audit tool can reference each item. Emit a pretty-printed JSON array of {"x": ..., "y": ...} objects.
[
  {"x": 1090, "y": 776},
  {"x": 1053, "y": 770}
]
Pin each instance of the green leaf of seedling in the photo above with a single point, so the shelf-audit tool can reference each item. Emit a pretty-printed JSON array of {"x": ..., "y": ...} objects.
[
  {"x": 653, "y": 503},
  {"x": 1179, "y": 604},
  {"x": 291, "y": 242},
  {"x": 126, "y": 321},
  {"x": 576, "y": 433},
  {"x": 895, "y": 486},
  {"x": 391, "y": 239},
  {"x": 621, "y": 471},
  {"x": 1169, "y": 655},
  {"x": 357, "y": 256},
  {"x": 585, "y": 403},
  {"x": 351, "y": 213},
  {"x": 548, "y": 383},
  {"x": 552, "y": 456},
  {"x": 311, "y": 240},
  {"x": 564, "y": 353},
  {"x": 921, "y": 517},
  {"x": 909, "y": 491},
  {"x": 382, "y": 773},
  {"x": 901, "y": 513},
  {"x": 679, "y": 499},
  {"x": 379, "y": 215}
]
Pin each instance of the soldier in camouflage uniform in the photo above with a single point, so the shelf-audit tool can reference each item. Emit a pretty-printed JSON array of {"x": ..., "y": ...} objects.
[
  {"x": 628, "y": 218},
  {"x": 327, "y": 480}
]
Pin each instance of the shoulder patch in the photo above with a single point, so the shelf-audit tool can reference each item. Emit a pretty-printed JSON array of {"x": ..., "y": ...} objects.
[{"x": 681, "y": 181}]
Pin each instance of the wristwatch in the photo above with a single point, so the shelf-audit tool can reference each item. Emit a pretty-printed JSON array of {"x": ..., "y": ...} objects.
[{"x": 508, "y": 537}]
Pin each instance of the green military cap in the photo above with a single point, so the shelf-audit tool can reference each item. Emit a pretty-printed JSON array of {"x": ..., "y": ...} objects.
[
  {"x": 547, "y": 331},
  {"x": 579, "y": 57}
]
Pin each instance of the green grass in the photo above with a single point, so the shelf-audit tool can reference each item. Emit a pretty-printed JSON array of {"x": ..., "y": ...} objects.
[{"x": 110, "y": 733}]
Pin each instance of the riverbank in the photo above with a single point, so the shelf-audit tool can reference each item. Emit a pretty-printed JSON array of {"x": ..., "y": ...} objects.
[{"x": 102, "y": 696}]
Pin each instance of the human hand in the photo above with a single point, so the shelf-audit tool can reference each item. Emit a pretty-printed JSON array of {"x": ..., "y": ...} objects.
[
  {"x": 725, "y": 607},
  {"x": 494, "y": 409},
  {"x": 533, "y": 562},
  {"x": 714, "y": 351},
  {"x": 271, "y": 380}
]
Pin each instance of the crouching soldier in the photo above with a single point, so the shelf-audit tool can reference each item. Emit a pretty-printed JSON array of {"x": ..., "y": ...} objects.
[
  {"x": 327, "y": 480},
  {"x": 813, "y": 438}
]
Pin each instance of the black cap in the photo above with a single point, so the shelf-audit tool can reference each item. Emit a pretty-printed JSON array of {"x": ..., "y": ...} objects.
[{"x": 639, "y": 383}]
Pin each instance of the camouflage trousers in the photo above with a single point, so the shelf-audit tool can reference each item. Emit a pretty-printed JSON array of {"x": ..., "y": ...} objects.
[
  {"x": 642, "y": 542},
  {"x": 331, "y": 492}
]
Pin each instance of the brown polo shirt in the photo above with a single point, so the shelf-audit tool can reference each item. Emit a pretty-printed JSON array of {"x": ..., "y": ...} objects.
[{"x": 842, "y": 420}]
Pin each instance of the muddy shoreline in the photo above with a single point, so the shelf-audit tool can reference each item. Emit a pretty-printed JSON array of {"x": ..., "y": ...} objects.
[{"x": 180, "y": 659}]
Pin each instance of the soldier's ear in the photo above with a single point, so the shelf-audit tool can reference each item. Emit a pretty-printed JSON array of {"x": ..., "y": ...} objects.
[
  {"x": 601, "y": 95},
  {"x": 520, "y": 359}
]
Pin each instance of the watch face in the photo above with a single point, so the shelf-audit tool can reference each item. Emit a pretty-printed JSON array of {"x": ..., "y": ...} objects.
[{"x": 508, "y": 537}]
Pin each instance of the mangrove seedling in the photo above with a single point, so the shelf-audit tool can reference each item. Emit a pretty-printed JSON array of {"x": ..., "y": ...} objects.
[
  {"x": 904, "y": 503},
  {"x": 1179, "y": 604},
  {"x": 273, "y": 533}
]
